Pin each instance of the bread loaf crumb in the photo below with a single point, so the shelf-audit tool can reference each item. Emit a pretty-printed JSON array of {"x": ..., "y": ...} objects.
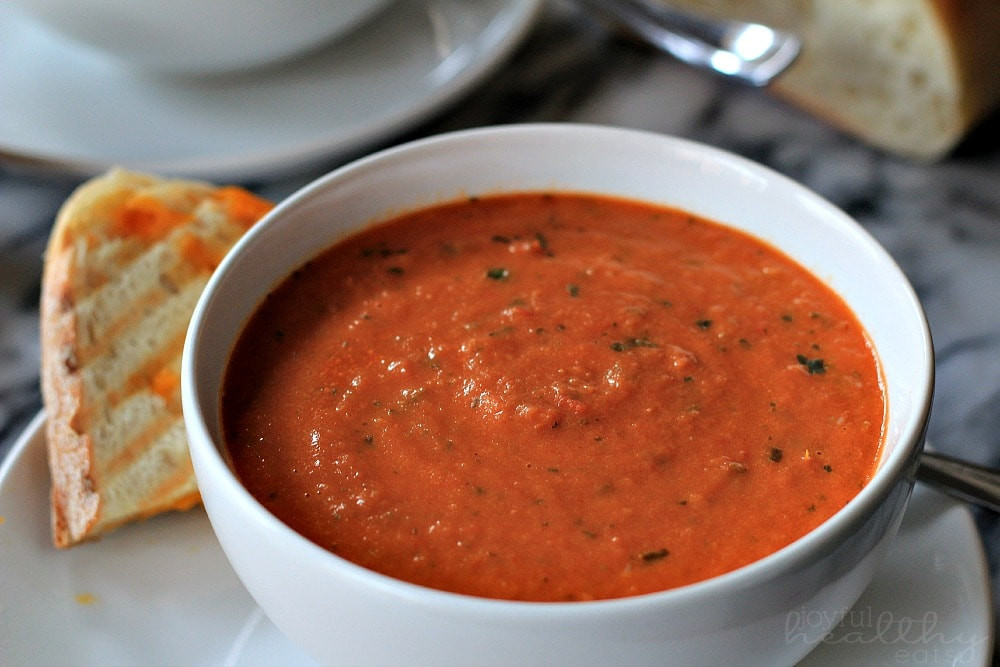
[{"x": 908, "y": 76}]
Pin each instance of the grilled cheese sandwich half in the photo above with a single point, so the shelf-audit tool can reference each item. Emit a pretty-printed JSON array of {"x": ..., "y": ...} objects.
[{"x": 127, "y": 260}]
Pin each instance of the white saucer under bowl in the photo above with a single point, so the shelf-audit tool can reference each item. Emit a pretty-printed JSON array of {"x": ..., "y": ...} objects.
[
  {"x": 162, "y": 592},
  {"x": 68, "y": 108}
]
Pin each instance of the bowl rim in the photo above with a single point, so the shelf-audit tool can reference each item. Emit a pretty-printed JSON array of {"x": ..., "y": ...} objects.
[{"x": 894, "y": 467}]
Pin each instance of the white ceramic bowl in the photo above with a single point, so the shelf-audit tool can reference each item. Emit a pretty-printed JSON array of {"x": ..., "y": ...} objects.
[
  {"x": 199, "y": 36},
  {"x": 343, "y": 613}
]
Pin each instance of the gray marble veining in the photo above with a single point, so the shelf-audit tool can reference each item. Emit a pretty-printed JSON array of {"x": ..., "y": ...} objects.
[{"x": 940, "y": 221}]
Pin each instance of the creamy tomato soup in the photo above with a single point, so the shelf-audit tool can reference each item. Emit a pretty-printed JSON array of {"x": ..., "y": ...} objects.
[{"x": 553, "y": 397}]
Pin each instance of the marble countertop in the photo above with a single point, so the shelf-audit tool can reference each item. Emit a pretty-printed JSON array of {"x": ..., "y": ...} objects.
[{"x": 940, "y": 221}]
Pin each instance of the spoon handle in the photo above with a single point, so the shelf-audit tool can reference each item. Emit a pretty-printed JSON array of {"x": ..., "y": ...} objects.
[
  {"x": 750, "y": 52},
  {"x": 961, "y": 479}
]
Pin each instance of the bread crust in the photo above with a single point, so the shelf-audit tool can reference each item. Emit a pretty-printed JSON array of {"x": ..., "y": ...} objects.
[
  {"x": 113, "y": 300},
  {"x": 973, "y": 31}
]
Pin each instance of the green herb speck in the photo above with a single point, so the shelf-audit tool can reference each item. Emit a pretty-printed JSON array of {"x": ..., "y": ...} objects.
[
  {"x": 651, "y": 556},
  {"x": 813, "y": 366},
  {"x": 543, "y": 242},
  {"x": 631, "y": 343}
]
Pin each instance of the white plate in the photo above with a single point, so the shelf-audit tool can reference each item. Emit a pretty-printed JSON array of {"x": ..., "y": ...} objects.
[
  {"x": 162, "y": 592},
  {"x": 67, "y": 107}
]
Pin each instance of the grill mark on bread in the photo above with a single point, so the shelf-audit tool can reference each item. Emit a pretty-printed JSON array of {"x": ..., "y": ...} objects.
[
  {"x": 112, "y": 376},
  {"x": 129, "y": 428},
  {"x": 108, "y": 310},
  {"x": 152, "y": 278},
  {"x": 137, "y": 446},
  {"x": 163, "y": 477},
  {"x": 177, "y": 488}
]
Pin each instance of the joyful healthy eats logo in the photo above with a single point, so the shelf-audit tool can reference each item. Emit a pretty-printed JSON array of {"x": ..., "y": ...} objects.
[{"x": 915, "y": 639}]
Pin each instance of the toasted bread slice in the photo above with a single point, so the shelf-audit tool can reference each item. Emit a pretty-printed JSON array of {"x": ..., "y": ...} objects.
[{"x": 126, "y": 262}]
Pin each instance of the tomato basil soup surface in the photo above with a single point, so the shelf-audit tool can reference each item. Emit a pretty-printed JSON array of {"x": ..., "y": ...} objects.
[{"x": 553, "y": 397}]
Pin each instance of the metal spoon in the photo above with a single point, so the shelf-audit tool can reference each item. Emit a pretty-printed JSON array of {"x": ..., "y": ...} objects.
[
  {"x": 750, "y": 52},
  {"x": 961, "y": 479}
]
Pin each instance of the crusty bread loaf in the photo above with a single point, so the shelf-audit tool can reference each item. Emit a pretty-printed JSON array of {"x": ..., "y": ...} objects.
[
  {"x": 909, "y": 76},
  {"x": 127, "y": 260}
]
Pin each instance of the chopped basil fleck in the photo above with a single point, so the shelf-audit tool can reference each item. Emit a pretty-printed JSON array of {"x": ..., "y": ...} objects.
[
  {"x": 497, "y": 273},
  {"x": 383, "y": 252},
  {"x": 574, "y": 290},
  {"x": 813, "y": 366},
  {"x": 703, "y": 324},
  {"x": 631, "y": 343},
  {"x": 651, "y": 556},
  {"x": 776, "y": 454}
]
